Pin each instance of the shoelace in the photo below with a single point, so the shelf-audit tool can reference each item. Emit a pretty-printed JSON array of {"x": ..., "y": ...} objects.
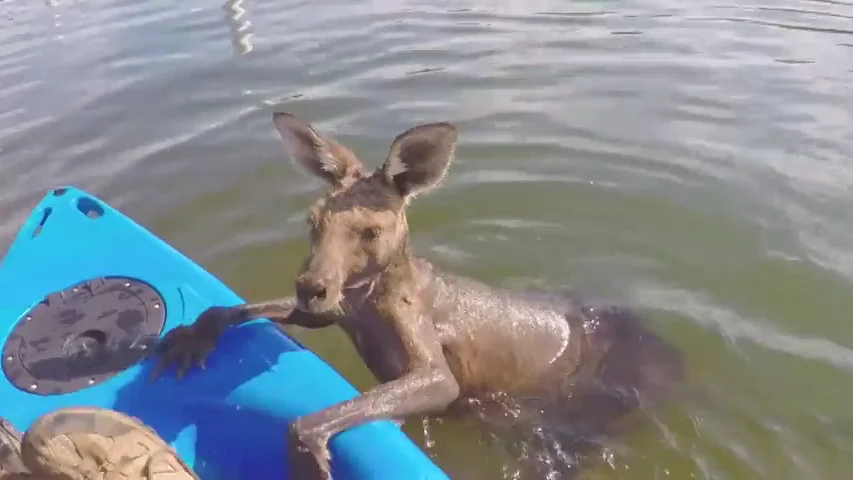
[{"x": 127, "y": 468}]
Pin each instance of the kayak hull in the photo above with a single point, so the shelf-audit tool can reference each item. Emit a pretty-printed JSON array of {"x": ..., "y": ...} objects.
[{"x": 227, "y": 421}]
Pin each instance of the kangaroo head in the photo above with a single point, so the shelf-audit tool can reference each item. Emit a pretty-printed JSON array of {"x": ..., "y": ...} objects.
[{"x": 360, "y": 227}]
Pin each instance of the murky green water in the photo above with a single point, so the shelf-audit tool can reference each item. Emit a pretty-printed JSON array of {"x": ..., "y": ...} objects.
[{"x": 692, "y": 159}]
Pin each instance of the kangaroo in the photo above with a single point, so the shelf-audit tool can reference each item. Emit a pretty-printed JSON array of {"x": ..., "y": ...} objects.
[{"x": 436, "y": 342}]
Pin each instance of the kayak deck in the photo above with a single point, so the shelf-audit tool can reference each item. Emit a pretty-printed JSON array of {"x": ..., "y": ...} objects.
[{"x": 87, "y": 293}]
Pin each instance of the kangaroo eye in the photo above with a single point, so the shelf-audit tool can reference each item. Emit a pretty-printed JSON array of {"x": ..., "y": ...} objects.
[{"x": 370, "y": 234}]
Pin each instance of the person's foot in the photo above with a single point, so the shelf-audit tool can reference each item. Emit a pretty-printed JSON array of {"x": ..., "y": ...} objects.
[
  {"x": 10, "y": 450},
  {"x": 85, "y": 443}
]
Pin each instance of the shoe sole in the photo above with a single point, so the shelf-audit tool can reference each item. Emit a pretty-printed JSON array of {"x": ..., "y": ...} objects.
[{"x": 82, "y": 420}]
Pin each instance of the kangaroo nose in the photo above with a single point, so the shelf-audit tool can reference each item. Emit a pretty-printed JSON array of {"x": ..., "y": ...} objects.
[{"x": 308, "y": 289}]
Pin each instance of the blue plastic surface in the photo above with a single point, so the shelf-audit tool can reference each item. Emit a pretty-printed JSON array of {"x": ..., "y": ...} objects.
[{"x": 228, "y": 422}]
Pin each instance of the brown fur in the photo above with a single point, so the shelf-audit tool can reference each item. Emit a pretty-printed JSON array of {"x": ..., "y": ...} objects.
[{"x": 436, "y": 341}]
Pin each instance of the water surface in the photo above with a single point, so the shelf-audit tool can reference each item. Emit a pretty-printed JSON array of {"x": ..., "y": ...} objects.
[{"x": 691, "y": 160}]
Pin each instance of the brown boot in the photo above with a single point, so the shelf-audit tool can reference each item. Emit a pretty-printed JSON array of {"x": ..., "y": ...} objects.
[
  {"x": 11, "y": 465},
  {"x": 85, "y": 443}
]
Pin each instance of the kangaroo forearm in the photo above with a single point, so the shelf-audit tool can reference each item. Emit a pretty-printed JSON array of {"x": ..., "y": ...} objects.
[
  {"x": 428, "y": 387},
  {"x": 422, "y": 391},
  {"x": 282, "y": 311},
  {"x": 276, "y": 310}
]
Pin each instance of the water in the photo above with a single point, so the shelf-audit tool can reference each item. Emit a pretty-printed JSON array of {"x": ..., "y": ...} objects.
[{"x": 692, "y": 160}]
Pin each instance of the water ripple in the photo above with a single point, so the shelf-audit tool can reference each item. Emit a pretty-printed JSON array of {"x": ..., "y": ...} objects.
[{"x": 736, "y": 328}]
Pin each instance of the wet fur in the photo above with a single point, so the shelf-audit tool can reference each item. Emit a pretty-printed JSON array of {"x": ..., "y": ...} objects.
[{"x": 440, "y": 343}]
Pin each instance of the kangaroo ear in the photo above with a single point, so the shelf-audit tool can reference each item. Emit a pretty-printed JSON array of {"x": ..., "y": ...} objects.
[
  {"x": 319, "y": 155},
  {"x": 419, "y": 158}
]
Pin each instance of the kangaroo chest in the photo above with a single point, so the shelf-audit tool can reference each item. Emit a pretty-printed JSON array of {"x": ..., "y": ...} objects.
[{"x": 377, "y": 344}]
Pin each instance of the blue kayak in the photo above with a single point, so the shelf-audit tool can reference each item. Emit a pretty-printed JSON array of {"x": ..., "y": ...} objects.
[{"x": 87, "y": 293}]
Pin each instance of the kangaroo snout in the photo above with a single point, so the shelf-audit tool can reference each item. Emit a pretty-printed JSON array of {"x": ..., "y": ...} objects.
[
  {"x": 308, "y": 289},
  {"x": 317, "y": 293}
]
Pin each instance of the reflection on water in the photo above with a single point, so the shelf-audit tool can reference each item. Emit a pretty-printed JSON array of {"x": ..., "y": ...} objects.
[
  {"x": 238, "y": 27},
  {"x": 692, "y": 159}
]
